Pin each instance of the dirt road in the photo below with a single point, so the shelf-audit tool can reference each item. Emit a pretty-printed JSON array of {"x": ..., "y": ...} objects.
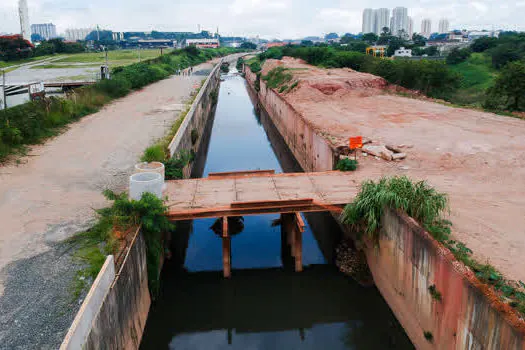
[{"x": 52, "y": 194}]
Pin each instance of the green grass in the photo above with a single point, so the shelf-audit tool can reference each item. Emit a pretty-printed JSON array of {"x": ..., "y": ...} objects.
[
  {"x": 62, "y": 66},
  {"x": 131, "y": 56},
  {"x": 4, "y": 64},
  {"x": 477, "y": 75}
]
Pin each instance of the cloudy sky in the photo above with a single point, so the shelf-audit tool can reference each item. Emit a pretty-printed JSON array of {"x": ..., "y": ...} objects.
[{"x": 269, "y": 18}]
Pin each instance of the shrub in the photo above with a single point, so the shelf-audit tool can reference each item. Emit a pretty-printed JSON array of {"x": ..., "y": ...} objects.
[
  {"x": 116, "y": 87},
  {"x": 418, "y": 200},
  {"x": 277, "y": 77},
  {"x": 346, "y": 164},
  {"x": 175, "y": 165},
  {"x": 155, "y": 153}
]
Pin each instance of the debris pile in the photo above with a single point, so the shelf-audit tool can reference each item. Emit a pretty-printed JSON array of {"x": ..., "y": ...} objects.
[{"x": 352, "y": 262}]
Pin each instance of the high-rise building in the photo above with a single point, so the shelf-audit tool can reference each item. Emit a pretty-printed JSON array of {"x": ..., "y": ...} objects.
[
  {"x": 75, "y": 34},
  {"x": 426, "y": 27},
  {"x": 410, "y": 30},
  {"x": 399, "y": 22},
  {"x": 46, "y": 31},
  {"x": 368, "y": 21},
  {"x": 23, "y": 11},
  {"x": 443, "y": 25},
  {"x": 381, "y": 19}
]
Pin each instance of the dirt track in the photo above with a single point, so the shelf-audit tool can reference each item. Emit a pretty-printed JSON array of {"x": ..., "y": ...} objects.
[
  {"x": 53, "y": 194},
  {"x": 477, "y": 158}
]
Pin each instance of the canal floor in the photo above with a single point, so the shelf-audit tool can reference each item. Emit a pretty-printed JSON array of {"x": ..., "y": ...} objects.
[{"x": 265, "y": 305}]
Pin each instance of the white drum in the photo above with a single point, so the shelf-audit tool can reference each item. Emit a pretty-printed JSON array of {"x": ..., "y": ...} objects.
[{"x": 141, "y": 183}]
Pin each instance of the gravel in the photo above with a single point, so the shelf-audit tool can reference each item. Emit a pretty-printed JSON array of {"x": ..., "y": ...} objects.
[{"x": 37, "y": 304}]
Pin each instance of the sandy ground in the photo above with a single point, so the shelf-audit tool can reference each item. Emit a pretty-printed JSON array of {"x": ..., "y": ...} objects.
[{"x": 477, "y": 158}]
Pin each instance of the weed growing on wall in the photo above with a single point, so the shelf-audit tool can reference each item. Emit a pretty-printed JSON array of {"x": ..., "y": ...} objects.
[
  {"x": 427, "y": 206},
  {"x": 278, "y": 77},
  {"x": 418, "y": 200}
]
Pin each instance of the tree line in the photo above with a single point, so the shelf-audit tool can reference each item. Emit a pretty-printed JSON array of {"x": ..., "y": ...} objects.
[{"x": 14, "y": 48}]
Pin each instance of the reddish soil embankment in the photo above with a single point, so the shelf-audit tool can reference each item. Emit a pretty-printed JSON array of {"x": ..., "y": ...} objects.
[{"x": 477, "y": 158}]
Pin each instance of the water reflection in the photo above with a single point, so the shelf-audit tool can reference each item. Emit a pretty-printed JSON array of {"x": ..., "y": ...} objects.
[{"x": 265, "y": 305}]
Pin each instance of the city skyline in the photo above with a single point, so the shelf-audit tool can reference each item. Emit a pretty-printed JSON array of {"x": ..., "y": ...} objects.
[{"x": 254, "y": 17}]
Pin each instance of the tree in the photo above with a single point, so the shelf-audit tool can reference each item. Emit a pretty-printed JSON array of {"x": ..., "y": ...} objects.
[
  {"x": 307, "y": 43},
  {"x": 384, "y": 37},
  {"x": 331, "y": 36},
  {"x": 432, "y": 51},
  {"x": 394, "y": 44},
  {"x": 503, "y": 54},
  {"x": 370, "y": 37},
  {"x": 457, "y": 55},
  {"x": 347, "y": 38},
  {"x": 419, "y": 40},
  {"x": 248, "y": 45},
  {"x": 508, "y": 88},
  {"x": 483, "y": 44}
]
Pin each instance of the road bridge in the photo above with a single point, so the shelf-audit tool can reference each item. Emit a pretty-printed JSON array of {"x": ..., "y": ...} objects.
[{"x": 234, "y": 194}]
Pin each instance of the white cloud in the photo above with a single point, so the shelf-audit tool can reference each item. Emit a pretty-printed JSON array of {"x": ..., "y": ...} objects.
[{"x": 268, "y": 18}]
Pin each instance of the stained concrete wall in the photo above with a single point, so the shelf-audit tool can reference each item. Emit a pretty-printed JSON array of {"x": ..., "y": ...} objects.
[
  {"x": 469, "y": 315},
  {"x": 310, "y": 149},
  {"x": 114, "y": 313},
  {"x": 197, "y": 119},
  {"x": 409, "y": 261},
  {"x": 122, "y": 317}
]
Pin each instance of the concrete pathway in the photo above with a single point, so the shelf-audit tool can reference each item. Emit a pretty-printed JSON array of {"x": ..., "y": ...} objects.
[{"x": 51, "y": 196}]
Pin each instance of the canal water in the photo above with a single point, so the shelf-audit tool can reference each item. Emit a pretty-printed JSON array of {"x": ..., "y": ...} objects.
[{"x": 265, "y": 305}]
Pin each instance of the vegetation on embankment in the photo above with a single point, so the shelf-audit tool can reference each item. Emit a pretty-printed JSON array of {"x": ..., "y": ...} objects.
[
  {"x": 432, "y": 78},
  {"x": 108, "y": 236},
  {"x": 33, "y": 122},
  {"x": 427, "y": 206}
]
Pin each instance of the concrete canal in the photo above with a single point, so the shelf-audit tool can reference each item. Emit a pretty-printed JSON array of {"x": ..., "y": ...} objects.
[{"x": 265, "y": 305}]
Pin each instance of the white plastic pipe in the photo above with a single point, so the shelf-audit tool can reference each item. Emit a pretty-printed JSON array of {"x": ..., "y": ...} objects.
[
  {"x": 141, "y": 183},
  {"x": 153, "y": 167}
]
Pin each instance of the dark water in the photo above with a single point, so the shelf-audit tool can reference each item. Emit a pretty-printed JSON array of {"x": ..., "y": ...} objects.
[{"x": 265, "y": 305}]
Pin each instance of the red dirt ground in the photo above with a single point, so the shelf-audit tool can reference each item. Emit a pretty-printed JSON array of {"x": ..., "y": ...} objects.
[{"x": 477, "y": 158}]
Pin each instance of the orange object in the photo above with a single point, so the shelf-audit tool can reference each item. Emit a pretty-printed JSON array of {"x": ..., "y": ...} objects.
[{"x": 356, "y": 142}]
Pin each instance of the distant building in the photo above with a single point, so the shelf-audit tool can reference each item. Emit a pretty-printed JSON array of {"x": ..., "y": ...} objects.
[
  {"x": 117, "y": 36},
  {"x": 480, "y": 34},
  {"x": 410, "y": 30},
  {"x": 443, "y": 25},
  {"x": 426, "y": 28},
  {"x": 399, "y": 22},
  {"x": 23, "y": 11},
  {"x": 277, "y": 44},
  {"x": 381, "y": 19},
  {"x": 156, "y": 43},
  {"x": 202, "y": 43},
  {"x": 76, "y": 34},
  {"x": 374, "y": 20},
  {"x": 368, "y": 21},
  {"x": 402, "y": 52},
  {"x": 46, "y": 31}
]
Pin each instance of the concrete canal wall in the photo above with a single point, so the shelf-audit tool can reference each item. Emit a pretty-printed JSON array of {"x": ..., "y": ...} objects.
[
  {"x": 409, "y": 260},
  {"x": 114, "y": 313},
  {"x": 190, "y": 133},
  {"x": 309, "y": 148}
]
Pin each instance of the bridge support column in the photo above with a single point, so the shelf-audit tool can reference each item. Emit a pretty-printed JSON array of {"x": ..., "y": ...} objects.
[
  {"x": 226, "y": 249},
  {"x": 292, "y": 228}
]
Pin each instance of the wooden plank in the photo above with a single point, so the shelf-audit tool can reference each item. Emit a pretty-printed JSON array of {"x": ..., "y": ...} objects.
[
  {"x": 241, "y": 173},
  {"x": 274, "y": 203},
  {"x": 202, "y": 213},
  {"x": 225, "y": 226},
  {"x": 298, "y": 241},
  {"x": 226, "y": 256},
  {"x": 299, "y": 221}
]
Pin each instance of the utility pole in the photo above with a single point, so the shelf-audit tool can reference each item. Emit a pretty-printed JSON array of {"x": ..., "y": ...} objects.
[{"x": 3, "y": 89}]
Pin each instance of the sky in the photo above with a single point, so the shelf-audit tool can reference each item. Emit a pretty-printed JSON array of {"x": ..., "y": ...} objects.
[{"x": 282, "y": 19}]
